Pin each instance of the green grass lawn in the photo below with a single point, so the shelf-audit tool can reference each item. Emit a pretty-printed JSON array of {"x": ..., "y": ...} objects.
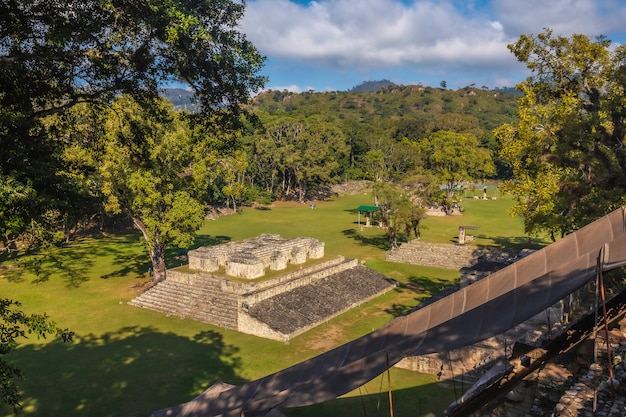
[{"x": 127, "y": 361}]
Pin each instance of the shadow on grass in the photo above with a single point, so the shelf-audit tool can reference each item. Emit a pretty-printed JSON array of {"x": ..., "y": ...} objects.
[
  {"x": 379, "y": 242},
  {"x": 426, "y": 290},
  {"x": 131, "y": 372},
  {"x": 424, "y": 401},
  {"x": 176, "y": 257},
  {"x": 74, "y": 263},
  {"x": 514, "y": 242},
  {"x": 208, "y": 240}
]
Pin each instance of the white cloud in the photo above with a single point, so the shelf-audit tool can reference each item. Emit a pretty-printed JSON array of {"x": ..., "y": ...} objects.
[
  {"x": 460, "y": 41},
  {"x": 564, "y": 17},
  {"x": 373, "y": 33}
]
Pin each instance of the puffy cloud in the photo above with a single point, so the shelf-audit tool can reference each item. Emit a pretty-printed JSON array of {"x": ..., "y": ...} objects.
[
  {"x": 379, "y": 33},
  {"x": 564, "y": 17},
  {"x": 460, "y": 41}
]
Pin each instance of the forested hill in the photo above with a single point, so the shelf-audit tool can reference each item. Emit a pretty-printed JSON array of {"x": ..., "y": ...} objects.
[
  {"x": 484, "y": 109},
  {"x": 372, "y": 86}
]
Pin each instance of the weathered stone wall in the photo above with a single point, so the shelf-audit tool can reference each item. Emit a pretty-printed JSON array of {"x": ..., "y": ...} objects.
[
  {"x": 468, "y": 363},
  {"x": 248, "y": 258},
  {"x": 442, "y": 255},
  {"x": 296, "y": 311},
  {"x": 296, "y": 280},
  {"x": 241, "y": 288},
  {"x": 245, "y": 267},
  {"x": 250, "y": 325},
  {"x": 220, "y": 301}
]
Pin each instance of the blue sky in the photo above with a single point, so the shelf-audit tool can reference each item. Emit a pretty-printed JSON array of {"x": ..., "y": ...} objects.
[{"x": 329, "y": 45}]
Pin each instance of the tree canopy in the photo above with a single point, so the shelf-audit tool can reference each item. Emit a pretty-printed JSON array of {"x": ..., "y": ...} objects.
[
  {"x": 149, "y": 171},
  {"x": 299, "y": 155},
  {"x": 455, "y": 158},
  {"x": 61, "y": 59},
  {"x": 57, "y": 54},
  {"x": 566, "y": 153}
]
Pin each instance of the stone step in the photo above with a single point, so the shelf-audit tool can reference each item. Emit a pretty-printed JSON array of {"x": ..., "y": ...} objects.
[{"x": 198, "y": 302}]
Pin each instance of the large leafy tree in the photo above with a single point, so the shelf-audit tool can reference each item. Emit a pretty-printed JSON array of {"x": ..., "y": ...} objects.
[
  {"x": 455, "y": 158},
  {"x": 398, "y": 211},
  {"x": 233, "y": 169},
  {"x": 566, "y": 153},
  {"x": 152, "y": 170},
  {"x": 56, "y": 54}
]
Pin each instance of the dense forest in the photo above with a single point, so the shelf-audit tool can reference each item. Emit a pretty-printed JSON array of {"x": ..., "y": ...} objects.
[
  {"x": 372, "y": 135},
  {"x": 284, "y": 146}
]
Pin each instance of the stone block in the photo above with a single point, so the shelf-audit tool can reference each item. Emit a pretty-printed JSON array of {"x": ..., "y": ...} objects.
[
  {"x": 278, "y": 261},
  {"x": 316, "y": 251},
  {"x": 298, "y": 255},
  {"x": 249, "y": 268}
]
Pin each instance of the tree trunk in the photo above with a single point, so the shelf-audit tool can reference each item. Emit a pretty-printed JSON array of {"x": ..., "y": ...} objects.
[
  {"x": 66, "y": 230},
  {"x": 302, "y": 189},
  {"x": 157, "y": 255},
  {"x": 271, "y": 188},
  {"x": 157, "y": 252}
]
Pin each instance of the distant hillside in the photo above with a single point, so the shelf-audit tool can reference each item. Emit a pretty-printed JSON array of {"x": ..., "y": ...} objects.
[
  {"x": 181, "y": 99},
  {"x": 408, "y": 107},
  {"x": 372, "y": 86}
]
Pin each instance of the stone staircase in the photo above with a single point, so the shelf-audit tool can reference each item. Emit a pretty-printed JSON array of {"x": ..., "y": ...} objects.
[{"x": 202, "y": 301}]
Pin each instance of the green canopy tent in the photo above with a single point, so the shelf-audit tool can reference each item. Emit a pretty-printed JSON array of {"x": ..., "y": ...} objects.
[{"x": 367, "y": 210}]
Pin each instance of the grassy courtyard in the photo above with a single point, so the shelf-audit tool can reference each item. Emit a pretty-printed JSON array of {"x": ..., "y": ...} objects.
[{"x": 126, "y": 361}]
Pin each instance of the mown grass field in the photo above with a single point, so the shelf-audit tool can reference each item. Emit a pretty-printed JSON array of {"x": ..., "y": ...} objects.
[{"x": 126, "y": 361}]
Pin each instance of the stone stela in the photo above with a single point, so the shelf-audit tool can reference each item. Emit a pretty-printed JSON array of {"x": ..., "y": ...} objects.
[{"x": 249, "y": 258}]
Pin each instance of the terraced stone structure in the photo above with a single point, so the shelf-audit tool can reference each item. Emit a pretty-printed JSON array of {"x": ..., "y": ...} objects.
[
  {"x": 249, "y": 258},
  {"x": 279, "y": 308}
]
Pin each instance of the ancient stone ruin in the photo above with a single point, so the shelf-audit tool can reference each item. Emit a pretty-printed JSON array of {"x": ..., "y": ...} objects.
[
  {"x": 224, "y": 285},
  {"x": 249, "y": 258}
]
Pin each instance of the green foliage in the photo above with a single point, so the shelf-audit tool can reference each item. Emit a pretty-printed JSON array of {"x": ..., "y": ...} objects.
[
  {"x": 298, "y": 155},
  {"x": 377, "y": 126},
  {"x": 15, "y": 324},
  {"x": 455, "y": 158},
  {"x": 566, "y": 152},
  {"x": 52, "y": 50},
  {"x": 397, "y": 212},
  {"x": 233, "y": 168},
  {"x": 147, "y": 172}
]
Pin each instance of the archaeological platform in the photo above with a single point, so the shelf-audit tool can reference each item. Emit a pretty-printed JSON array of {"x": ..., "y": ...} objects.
[{"x": 226, "y": 285}]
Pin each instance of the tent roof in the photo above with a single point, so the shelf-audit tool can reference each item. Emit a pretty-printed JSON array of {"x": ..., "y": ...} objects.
[{"x": 367, "y": 208}]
